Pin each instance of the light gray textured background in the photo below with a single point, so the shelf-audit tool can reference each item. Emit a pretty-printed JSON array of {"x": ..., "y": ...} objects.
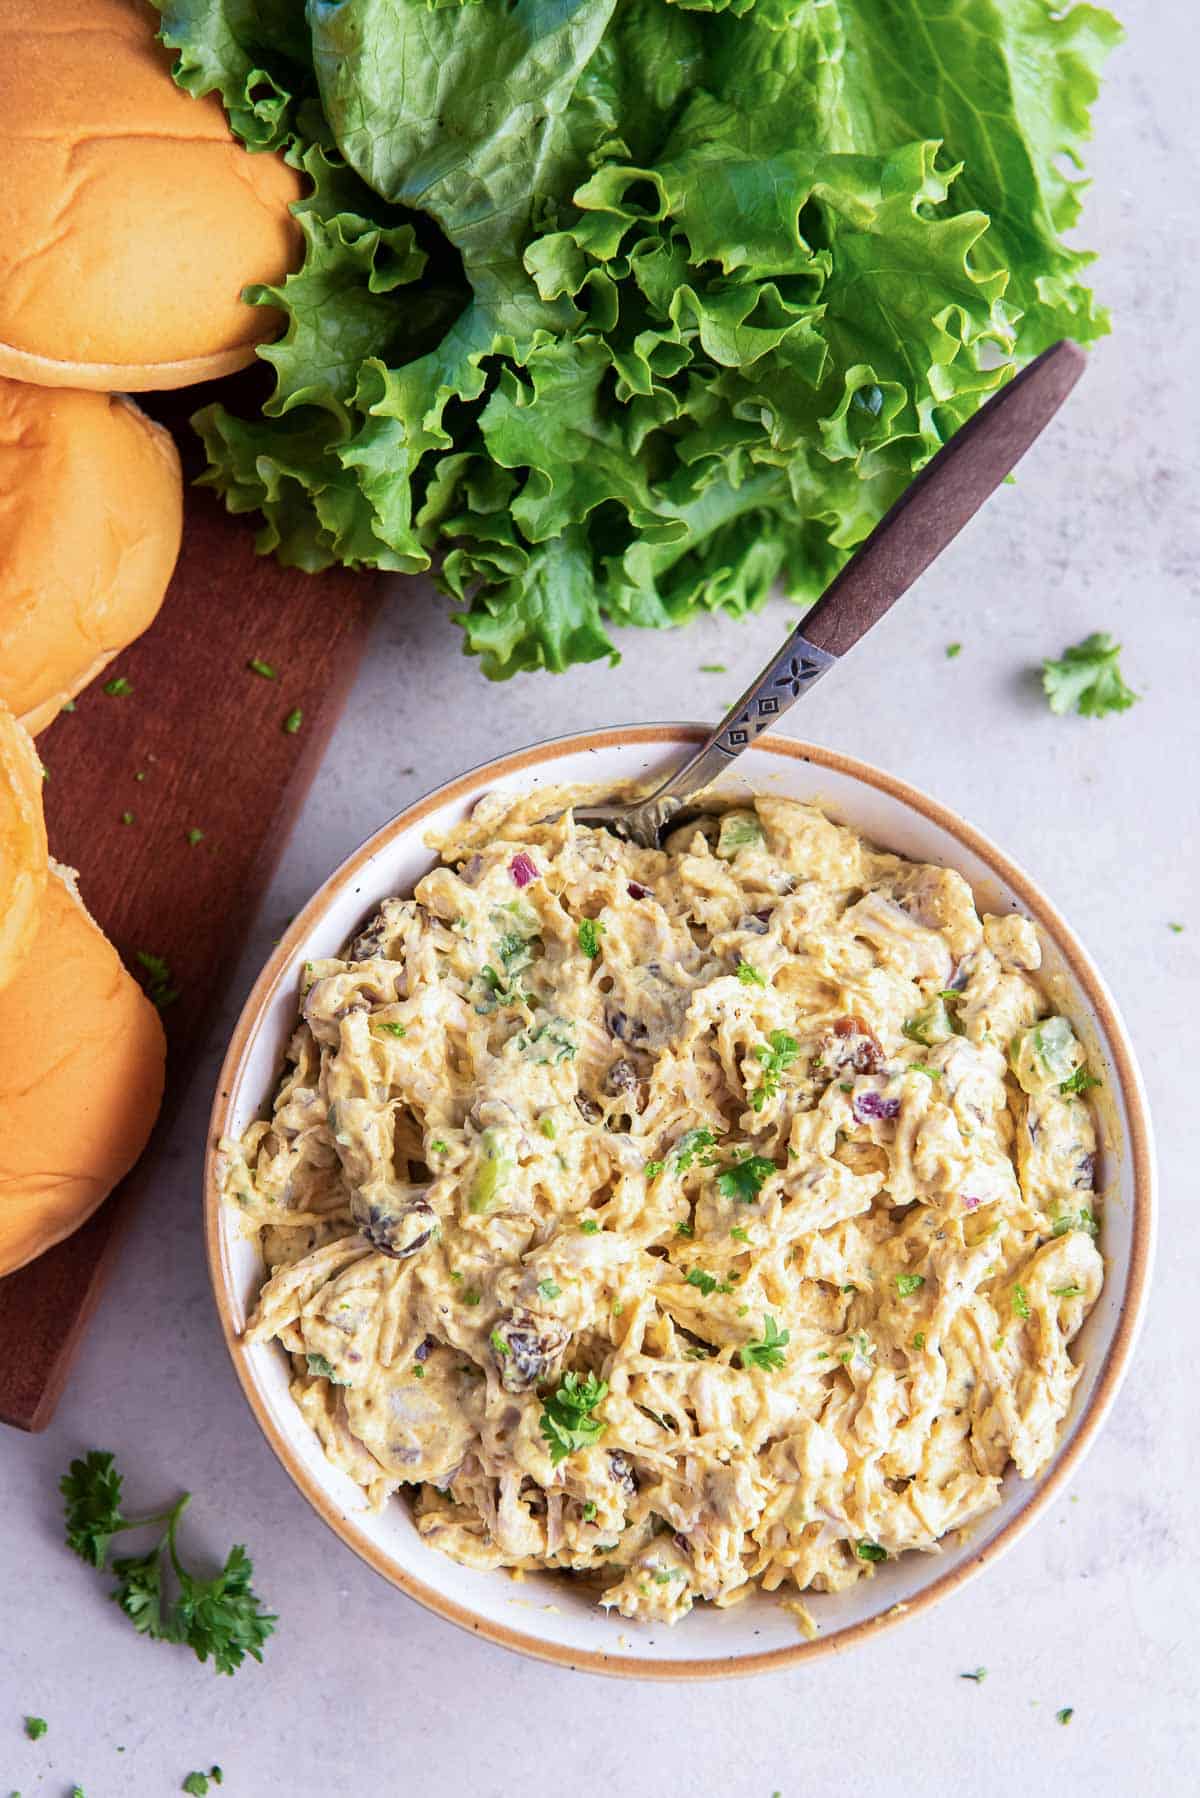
[{"x": 362, "y": 1692}]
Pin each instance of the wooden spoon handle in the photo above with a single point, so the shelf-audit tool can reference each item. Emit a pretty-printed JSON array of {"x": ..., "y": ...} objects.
[{"x": 947, "y": 493}]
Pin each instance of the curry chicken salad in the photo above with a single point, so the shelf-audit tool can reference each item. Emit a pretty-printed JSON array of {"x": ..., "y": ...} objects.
[{"x": 686, "y": 1218}]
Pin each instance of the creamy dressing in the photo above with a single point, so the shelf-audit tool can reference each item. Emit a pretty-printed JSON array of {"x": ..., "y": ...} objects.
[{"x": 684, "y": 1218}]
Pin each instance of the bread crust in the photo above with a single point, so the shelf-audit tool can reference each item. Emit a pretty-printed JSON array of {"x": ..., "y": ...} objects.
[
  {"x": 130, "y": 217},
  {"x": 91, "y": 514},
  {"x": 81, "y": 1077},
  {"x": 23, "y": 855}
]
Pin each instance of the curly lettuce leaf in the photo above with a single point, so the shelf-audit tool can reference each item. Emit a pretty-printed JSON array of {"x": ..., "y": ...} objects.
[{"x": 618, "y": 311}]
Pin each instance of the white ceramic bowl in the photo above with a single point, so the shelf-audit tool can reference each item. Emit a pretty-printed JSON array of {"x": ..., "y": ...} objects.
[{"x": 544, "y": 1615}]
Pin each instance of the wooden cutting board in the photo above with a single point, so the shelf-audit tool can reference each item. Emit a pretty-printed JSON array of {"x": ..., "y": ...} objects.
[{"x": 206, "y": 735}]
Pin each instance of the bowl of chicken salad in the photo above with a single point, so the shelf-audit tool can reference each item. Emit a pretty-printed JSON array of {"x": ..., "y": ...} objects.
[{"x": 681, "y": 1261}]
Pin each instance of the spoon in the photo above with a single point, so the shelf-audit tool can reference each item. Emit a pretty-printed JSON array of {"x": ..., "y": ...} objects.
[{"x": 928, "y": 515}]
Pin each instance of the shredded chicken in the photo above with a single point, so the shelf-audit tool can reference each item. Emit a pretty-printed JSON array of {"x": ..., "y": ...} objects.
[{"x": 682, "y": 1218}]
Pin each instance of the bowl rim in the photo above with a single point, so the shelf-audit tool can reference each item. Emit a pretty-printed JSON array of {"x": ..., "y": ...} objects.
[{"x": 1139, "y": 1149}]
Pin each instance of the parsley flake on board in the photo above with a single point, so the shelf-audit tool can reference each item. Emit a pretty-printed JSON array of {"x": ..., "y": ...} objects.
[
  {"x": 219, "y": 1617},
  {"x": 195, "y": 836},
  {"x": 744, "y": 1180},
  {"x": 118, "y": 686},
  {"x": 567, "y": 1422},
  {"x": 293, "y": 721},
  {"x": 159, "y": 989},
  {"x": 1064, "y": 1716},
  {"x": 256, "y": 665},
  {"x": 769, "y": 1353},
  {"x": 978, "y": 1674},
  {"x": 1087, "y": 679}
]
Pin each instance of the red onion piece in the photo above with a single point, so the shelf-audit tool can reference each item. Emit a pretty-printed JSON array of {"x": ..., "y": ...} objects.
[{"x": 522, "y": 869}]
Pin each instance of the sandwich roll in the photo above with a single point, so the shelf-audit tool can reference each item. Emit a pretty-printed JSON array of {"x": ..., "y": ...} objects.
[
  {"x": 91, "y": 510},
  {"x": 130, "y": 217},
  {"x": 81, "y": 1077},
  {"x": 23, "y": 857}
]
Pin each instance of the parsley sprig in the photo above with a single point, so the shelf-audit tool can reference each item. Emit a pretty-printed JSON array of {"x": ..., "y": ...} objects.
[
  {"x": 744, "y": 1180},
  {"x": 567, "y": 1422},
  {"x": 221, "y": 1617},
  {"x": 1087, "y": 679},
  {"x": 769, "y": 1353},
  {"x": 776, "y": 1055}
]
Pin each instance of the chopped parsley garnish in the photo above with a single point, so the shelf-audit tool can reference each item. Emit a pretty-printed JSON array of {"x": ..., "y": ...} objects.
[
  {"x": 547, "y": 1289},
  {"x": 589, "y": 1226},
  {"x": 690, "y": 1145},
  {"x": 590, "y": 932},
  {"x": 319, "y": 1365},
  {"x": 920, "y": 1067},
  {"x": 589, "y": 1511},
  {"x": 1064, "y": 1716},
  {"x": 1020, "y": 1302},
  {"x": 713, "y": 668},
  {"x": 548, "y": 1128},
  {"x": 293, "y": 721},
  {"x": 471, "y": 1297},
  {"x": 1087, "y": 679},
  {"x": 768, "y": 1353},
  {"x": 869, "y": 1551},
  {"x": 197, "y": 1783},
  {"x": 979, "y": 1674},
  {"x": 750, "y": 975},
  {"x": 906, "y": 1284},
  {"x": 744, "y": 1180},
  {"x": 221, "y": 1617},
  {"x": 127, "y": 817},
  {"x": 390, "y": 1029},
  {"x": 707, "y": 1283},
  {"x": 1081, "y": 1081},
  {"x": 438, "y": 1147},
  {"x": 68, "y": 705},
  {"x": 654, "y": 1169},
  {"x": 118, "y": 686},
  {"x": 498, "y": 1343},
  {"x": 738, "y": 1234},
  {"x": 952, "y": 650},
  {"x": 35, "y": 1728},
  {"x": 919, "y": 1340},
  {"x": 1067, "y": 1292},
  {"x": 161, "y": 992},
  {"x": 567, "y": 1422},
  {"x": 418, "y": 1371},
  {"x": 686, "y": 1228},
  {"x": 1177, "y": 928},
  {"x": 256, "y": 665},
  {"x": 195, "y": 836},
  {"x": 776, "y": 1055},
  {"x": 1081, "y": 1220}
]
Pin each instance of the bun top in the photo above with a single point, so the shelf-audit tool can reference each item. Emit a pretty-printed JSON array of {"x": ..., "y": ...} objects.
[
  {"x": 130, "y": 218},
  {"x": 23, "y": 855},
  {"x": 81, "y": 1075},
  {"x": 91, "y": 510}
]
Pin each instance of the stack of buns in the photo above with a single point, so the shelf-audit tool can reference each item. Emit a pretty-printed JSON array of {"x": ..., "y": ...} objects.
[{"x": 131, "y": 221}]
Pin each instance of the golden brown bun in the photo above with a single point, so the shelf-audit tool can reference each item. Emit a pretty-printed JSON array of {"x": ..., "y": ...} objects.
[
  {"x": 22, "y": 848},
  {"x": 91, "y": 509},
  {"x": 81, "y": 1077},
  {"x": 130, "y": 218}
]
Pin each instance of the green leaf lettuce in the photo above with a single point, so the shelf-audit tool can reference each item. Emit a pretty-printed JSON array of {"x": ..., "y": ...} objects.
[{"x": 619, "y": 311}]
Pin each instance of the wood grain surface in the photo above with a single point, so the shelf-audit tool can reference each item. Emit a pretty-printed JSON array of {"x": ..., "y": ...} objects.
[{"x": 206, "y": 735}]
